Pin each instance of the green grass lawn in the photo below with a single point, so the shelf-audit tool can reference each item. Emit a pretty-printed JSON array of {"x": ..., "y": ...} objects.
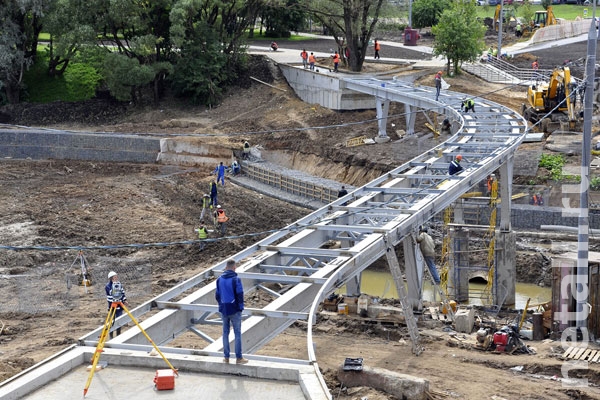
[{"x": 564, "y": 11}]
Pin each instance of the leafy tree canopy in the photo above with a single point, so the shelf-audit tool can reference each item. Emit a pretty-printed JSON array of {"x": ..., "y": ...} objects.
[
  {"x": 459, "y": 35},
  {"x": 427, "y": 12}
]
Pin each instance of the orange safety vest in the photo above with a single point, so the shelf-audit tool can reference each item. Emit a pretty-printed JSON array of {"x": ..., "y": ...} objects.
[
  {"x": 336, "y": 58},
  {"x": 377, "y": 46},
  {"x": 312, "y": 59},
  {"x": 304, "y": 55},
  {"x": 221, "y": 217}
]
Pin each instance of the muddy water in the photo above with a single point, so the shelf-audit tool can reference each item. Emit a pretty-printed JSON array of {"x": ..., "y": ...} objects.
[{"x": 381, "y": 284}]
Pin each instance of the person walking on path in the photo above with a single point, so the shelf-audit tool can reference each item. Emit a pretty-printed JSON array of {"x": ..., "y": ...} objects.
[
  {"x": 455, "y": 167},
  {"x": 205, "y": 203},
  {"x": 230, "y": 297},
  {"x": 468, "y": 104},
  {"x": 311, "y": 61},
  {"x": 427, "y": 247},
  {"x": 115, "y": 293},
  {"x": 213, "y": 194},
  {"x": 336, "y": 61},
  {"x": 304, "y": 56},
  {"x": 221, "y": 218},
  {"x": 438, "y": 84},
  {"x": 220, "y": 171},
  {"x": 202, "y": 235},
  {"x": 377, "y": 48}
]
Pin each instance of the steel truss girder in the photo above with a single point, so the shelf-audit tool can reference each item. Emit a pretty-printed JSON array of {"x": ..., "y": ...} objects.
[{"x": 389, "y": 206}]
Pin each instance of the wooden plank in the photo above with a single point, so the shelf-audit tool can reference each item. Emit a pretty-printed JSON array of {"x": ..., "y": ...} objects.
[
  {"x": 591, "y": 355},
  {"x": 585, "y": 354},
  {"x": 578, "y": 353},
  {"x": 568, "y": 352},
  {"x": 596, "y": 357}
]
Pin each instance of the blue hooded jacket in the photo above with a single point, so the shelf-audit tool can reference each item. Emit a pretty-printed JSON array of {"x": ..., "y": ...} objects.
[{"x": 230, "y": 293}]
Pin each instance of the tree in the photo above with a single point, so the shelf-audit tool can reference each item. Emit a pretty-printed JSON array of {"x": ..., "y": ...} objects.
[
  {"x": 20, "y": 26},
  {"x": 351, "y": 23},
  {"x": 459, "y": 35},
  {"x": 427, "y": 12}
]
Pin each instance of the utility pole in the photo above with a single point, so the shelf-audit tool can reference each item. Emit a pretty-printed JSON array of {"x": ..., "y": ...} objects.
[
  {"x": 410, "y": 14},
  {"x": 583, "y": 220},
  {"x": 500, "y": 18}
]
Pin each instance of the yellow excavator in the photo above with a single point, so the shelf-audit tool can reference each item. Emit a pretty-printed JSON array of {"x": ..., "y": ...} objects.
[
  {"x": 509, "y": 17},
  {"x": 541, "y": 19},
  {"x": 553, "y": 101}
]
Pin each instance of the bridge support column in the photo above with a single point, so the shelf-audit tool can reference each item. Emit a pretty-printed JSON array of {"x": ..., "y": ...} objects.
[
  {"x": 410, "y": 117},
  {"x": 414, "y": 274},
  {"x": 382, "y": 106},
  {"x": 458, "y": 263},
  {"x": 353, "y": 286},
  {"x": 506, "y": 255}
]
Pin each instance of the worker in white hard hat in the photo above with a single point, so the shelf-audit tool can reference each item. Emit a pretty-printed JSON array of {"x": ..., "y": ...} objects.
[
  {"x": 115, "y": 293},
  {"x": 221, "y": 220}
]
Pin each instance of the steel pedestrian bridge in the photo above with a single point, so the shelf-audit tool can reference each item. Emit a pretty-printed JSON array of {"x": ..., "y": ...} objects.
[{"x": 297, "y": 267}]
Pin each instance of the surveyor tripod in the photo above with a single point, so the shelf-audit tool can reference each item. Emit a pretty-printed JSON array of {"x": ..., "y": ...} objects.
[{"x": 108, "y": 323}]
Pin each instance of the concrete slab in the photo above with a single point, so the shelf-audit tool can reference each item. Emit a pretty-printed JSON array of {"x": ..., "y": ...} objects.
[{"x": 121, "y": 383}]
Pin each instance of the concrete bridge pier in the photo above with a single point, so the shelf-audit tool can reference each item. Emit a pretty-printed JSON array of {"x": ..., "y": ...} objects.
[
  {"x": 411, "y": 117},
  {"x": 382, "y": 106},
  {"x": 506, "y": 256},
  {"x": 458, "y": 263},
  {"x": 353, "y": 286}
]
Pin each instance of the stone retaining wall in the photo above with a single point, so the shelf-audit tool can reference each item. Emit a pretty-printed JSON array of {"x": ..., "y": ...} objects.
[{"x": 42, "y": 145}]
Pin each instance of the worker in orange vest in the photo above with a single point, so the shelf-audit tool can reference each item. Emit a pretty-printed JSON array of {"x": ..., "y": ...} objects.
[
  {"x": 221, "y": 220},
  {"x": 311, "y": 61},
  {"x": 377, "y": 48},
  {"x": 336, "y": 61},
  {"x": 304, "y": 56}
]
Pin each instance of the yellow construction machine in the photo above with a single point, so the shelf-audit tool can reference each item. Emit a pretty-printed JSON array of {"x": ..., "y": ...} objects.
[
  {"x": 541, "y": 19},
  {"x": 553, "y": 101},
  {"x": 509, "y": 19}
]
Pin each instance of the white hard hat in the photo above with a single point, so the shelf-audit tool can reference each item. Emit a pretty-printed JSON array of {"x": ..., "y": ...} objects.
[
  {"x": 218, "y": 206},
  {"x": 111, "y": 274}
]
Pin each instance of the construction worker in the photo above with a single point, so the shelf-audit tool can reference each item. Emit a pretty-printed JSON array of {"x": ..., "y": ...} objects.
[
  {"x": 213, "y": 193},
  {"x": 221, "y": 220},
  {"x": 377, "y": 48},
  {"x": 489, "y": 182},
  {"x": 427, "y": 247},
  {"x": 235, "y": 167},
  {"x": 202, "y": 235},
  {"x": 336, "y": 61},
  {"x": 220, "y": 171},
  {"x": 304, "y": 56},
  {"x": 535, "y": 65},
  {"x": 455, "y": 166},
  {"x": 115, "y": 293},
  {"x": 468, "y": 104},
  {"x": 342, "y": 192},
  {"x": 311, "y": 61},
  {"x": 438, "y": 84},
  {"x": 246, "y": 151},
  {"x": 519, "y": 30},
  {"x": 446, "y": 127},
  {"x": 205, "y": 203}
]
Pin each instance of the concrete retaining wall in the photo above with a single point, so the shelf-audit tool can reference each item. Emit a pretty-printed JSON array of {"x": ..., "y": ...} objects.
[
  {"x": 324, "y": 89},
  {"x": 41, "y": 145},
  {"x": 565, "y": 29}
]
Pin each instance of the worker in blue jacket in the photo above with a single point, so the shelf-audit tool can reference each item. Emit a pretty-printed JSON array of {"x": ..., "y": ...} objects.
[
  {"x": 220, "y": 171},
  {"x": 230, "y": 296},
  {"x": 115, "y": 293},
  {"x": 455, "y": 166}
]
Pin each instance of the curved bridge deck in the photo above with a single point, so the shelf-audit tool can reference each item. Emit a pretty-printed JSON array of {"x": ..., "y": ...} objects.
[{"x": 295, "y": 267}]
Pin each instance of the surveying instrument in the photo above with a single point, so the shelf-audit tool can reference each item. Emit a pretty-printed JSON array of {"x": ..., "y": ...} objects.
[
  {"x": 86, "y": 279},
  {"x": 108, "y": 323}
]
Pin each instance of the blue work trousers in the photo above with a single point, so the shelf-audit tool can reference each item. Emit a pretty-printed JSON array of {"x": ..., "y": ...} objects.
[{"x": 236, "y": 321}]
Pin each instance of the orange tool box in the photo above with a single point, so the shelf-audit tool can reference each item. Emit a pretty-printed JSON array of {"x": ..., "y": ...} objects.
[{"x": 164, "y": 379}]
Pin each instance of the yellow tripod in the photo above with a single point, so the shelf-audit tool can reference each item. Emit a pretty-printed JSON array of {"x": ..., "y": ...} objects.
[{"x": 104, "y": 335}]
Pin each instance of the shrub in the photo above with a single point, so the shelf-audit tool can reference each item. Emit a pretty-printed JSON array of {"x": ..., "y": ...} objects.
[{"x": 553, "y": 163}]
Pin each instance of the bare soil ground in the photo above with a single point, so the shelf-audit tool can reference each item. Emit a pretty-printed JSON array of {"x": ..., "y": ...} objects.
[{"x": 67, "y": 203}]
